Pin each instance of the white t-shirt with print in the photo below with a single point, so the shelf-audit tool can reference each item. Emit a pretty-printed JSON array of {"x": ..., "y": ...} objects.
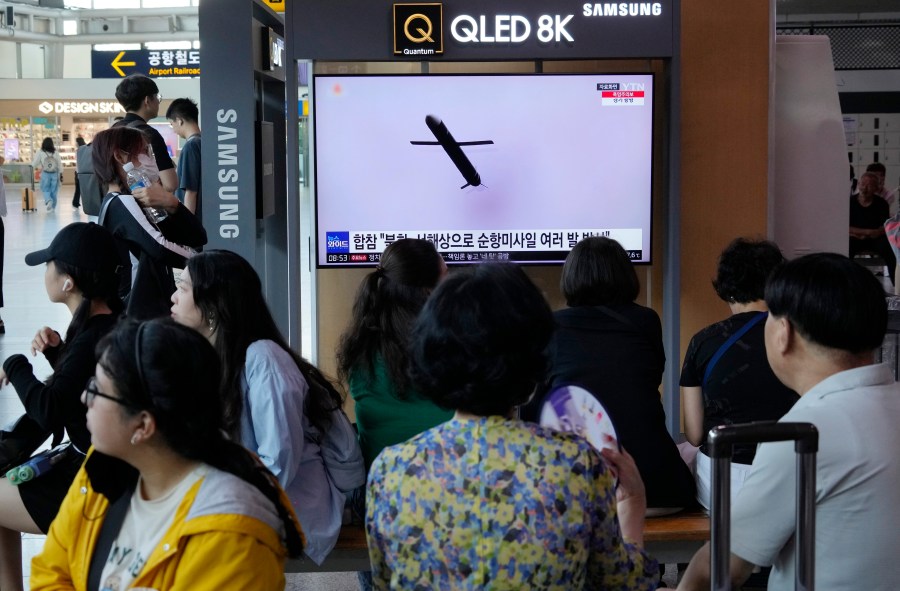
[{"x": 144, "y": 526}]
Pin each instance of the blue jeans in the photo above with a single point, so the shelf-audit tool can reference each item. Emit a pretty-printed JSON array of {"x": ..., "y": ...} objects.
[{"x": 50, "y": 187}]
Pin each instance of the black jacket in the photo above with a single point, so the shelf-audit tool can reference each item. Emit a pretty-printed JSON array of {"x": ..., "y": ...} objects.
[
  {"x": 57, "y": 404},
  {"x": 147, "y": 290}
]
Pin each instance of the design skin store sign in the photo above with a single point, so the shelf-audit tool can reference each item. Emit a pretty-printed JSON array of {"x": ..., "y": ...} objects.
[{"x": 81, "y": 108}]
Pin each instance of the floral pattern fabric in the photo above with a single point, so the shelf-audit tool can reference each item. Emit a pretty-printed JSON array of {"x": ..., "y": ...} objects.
[{"x": 492, "y": 503}]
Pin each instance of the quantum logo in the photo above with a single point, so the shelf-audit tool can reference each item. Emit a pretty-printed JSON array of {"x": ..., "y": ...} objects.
[
  {"x": 337, "y": 242},
  {"x": 419, "y": 20},
  {"x": 418, "y": 29}
]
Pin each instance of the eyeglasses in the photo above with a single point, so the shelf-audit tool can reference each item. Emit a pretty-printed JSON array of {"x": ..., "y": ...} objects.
[
  {"x": 158, "y": 97},
  {"x": 93, "y": 392}
]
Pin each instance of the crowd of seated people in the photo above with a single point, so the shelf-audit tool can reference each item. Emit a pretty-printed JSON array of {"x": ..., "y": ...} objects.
[
  {"x": 827, "y": 316},
  {"x": 200, "y": 442}
]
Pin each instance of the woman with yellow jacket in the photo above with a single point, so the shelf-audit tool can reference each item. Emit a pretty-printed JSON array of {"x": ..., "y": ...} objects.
[{"x": 165, "y": 500}]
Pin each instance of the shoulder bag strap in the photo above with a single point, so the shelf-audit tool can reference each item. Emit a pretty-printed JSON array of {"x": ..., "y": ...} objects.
[
  {"x": 101, "y": 217},
  {"x": 112, "y": 523},
  {"x": 731, "y": 340}
]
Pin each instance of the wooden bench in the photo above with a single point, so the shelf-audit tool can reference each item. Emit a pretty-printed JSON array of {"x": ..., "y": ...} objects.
[
  {"x": 349, "y": 554},
  {"x": 669, "y": 539},
  {"x": 675, "y": 538}
]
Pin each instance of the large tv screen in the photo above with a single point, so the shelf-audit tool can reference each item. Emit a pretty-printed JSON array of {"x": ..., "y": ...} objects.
[{"x": 488, "y": 167}]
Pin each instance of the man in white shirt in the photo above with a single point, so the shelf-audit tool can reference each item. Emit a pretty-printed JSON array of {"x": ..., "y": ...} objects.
[{"x": 827, "y": 316}]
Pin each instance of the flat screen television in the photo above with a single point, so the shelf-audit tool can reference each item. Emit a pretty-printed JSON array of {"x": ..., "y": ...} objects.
[{"x": 488, "y": 167}]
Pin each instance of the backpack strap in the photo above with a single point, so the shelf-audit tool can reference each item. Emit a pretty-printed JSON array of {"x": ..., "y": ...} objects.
[
  {"x": 727, "y": 344},
  {"x": 112, "y": 524},
  {"x": 104, "y": 206}
]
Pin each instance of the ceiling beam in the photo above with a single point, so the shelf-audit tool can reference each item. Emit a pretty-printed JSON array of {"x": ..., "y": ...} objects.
[{"x": 45, "y": 25}]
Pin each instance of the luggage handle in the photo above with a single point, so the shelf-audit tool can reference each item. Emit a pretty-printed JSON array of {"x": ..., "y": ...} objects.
[{"x": 720, "y": 444}]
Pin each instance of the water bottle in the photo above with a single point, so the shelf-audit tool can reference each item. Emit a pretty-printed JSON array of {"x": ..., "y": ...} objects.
[{"x": 137, "y": 179}]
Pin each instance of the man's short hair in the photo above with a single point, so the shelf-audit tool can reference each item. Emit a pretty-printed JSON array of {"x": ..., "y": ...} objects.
[
  {"x": 183, "y": 108},
  {"x": 830, "y": 301},
  {"x": 877, "y": 167},
  {"x": 132, "y": 91}
]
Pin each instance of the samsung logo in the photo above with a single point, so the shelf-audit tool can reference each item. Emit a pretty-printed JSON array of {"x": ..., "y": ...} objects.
[{"x": 622, "y": 9}]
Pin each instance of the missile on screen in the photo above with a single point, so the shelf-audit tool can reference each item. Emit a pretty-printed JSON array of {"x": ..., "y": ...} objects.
[{"x": 452, "y": 148}]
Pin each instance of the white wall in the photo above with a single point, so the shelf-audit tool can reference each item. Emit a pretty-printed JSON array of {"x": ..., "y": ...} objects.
[
  {"x": 867, "y": 80},
  {"x": 7, "y": 59},
  {"x": 100, "y": 88},
  {"x": 810, "y": 208},
  {"x": 32, "y": 60},
  {"x": 77, "y": 61}
]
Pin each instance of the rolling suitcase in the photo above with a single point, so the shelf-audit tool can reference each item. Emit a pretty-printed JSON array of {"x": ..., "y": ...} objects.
[
  {"x": 720, "y": 443},
  {"x": 28, "y": 199}
]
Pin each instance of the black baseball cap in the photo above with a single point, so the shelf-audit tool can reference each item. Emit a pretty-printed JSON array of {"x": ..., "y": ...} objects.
[{"x": 85, "y": 246}]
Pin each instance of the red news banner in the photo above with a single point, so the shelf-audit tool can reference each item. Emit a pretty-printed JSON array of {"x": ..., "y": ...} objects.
[{"x": 622, "y": 98}]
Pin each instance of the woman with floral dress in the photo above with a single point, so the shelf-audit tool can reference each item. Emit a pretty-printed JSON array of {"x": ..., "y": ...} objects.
[{"x": 488, "y": 502}]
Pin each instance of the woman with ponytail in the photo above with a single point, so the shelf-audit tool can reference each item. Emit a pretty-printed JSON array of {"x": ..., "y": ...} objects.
[
  {"x": 81, "y": 273},
  {"x": 275, "y": 402},
  {"x": 165, "y": 500},
  {"x": 373, "y": 357}
]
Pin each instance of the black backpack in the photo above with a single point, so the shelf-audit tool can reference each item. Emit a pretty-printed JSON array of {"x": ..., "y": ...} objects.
[{"x": 92, "y": 191}]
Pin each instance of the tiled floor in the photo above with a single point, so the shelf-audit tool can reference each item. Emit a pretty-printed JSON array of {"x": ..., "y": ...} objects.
[{"x": 27, "y": 309}]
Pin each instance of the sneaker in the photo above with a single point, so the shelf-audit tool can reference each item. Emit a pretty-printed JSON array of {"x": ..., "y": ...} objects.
[{"x": 49, "y": 206}]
